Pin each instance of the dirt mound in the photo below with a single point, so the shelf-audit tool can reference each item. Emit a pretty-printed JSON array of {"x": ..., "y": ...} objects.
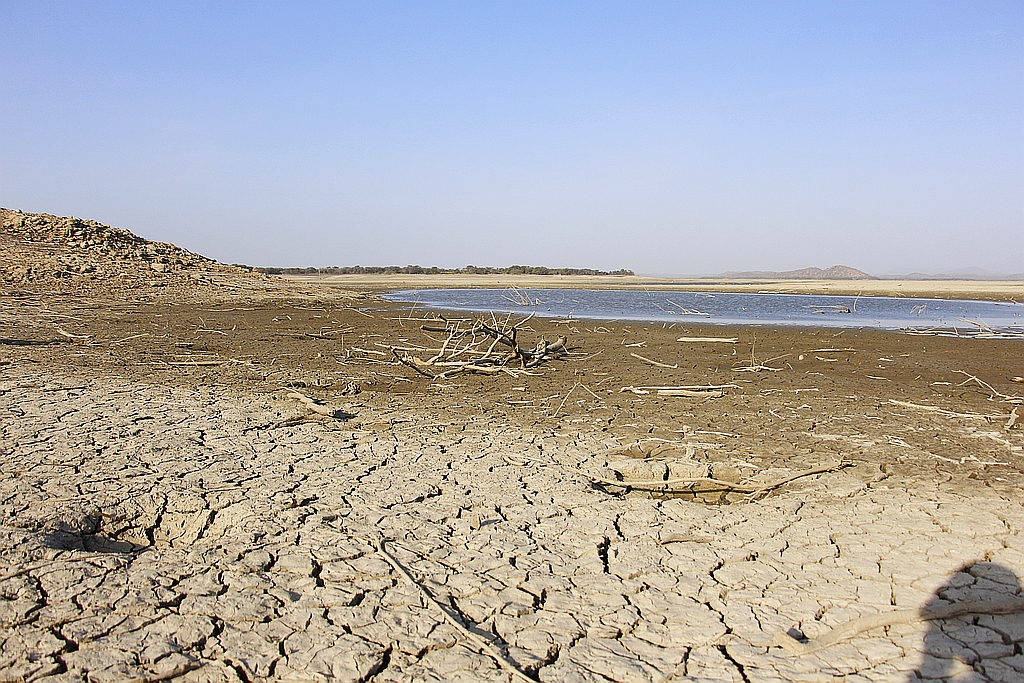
[{"x": 64, "y": 253}]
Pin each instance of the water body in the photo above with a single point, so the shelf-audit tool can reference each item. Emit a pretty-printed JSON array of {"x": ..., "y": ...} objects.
[{"x": 942, "y": 316}]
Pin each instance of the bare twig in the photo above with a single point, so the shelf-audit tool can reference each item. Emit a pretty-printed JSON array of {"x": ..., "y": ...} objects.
[
  {"x": 565, "y": 399},
  {"x": 654, "y": 362},
  {"x": 487, "y": 647}
]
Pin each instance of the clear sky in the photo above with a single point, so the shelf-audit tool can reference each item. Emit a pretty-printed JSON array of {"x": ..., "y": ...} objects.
[{"x": 672, "y": 138}]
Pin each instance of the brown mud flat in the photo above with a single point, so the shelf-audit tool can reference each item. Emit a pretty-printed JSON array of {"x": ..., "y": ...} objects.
[{"x": 168, "y": 508}]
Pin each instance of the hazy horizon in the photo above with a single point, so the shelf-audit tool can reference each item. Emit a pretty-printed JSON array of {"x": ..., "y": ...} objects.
[{"x": 693, "y": 138}]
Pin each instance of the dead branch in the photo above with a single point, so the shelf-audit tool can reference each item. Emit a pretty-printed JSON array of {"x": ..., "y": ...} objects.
[
  {"x": 686, "y": 485},
  {"x": 197, "y": 363},
  {"x": 946, "y": 413},
  {"x": 673, "y": 537},
  {"x": 906, "y": 616},
  {"x": 755, "y": 368},
  {"x": 64, "y": 333},
  {"x": 696, "y": 387},
  {"x": 484, "y": 348},
  {"x": 690, "y": 393},
  {"x": 980, "y": 326},
  {"x": 310, "y": 404},
  {"x": 407, "y": 361},
  {"x": 485, "y": 646},
  {"x": 565, "y": 399},
  {"x": 986, "y": 385},
  {"x": 702, "y": 340},
  {"x": 654, "y": 362},
  {"x": 710, "y": 391}
]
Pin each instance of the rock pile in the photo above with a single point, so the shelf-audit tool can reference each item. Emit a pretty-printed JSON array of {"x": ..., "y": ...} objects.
[{"x": 48, "y": 252}]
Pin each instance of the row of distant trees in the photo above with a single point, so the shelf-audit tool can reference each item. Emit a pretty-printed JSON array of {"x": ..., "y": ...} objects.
[{"x": 433, "y": 270}]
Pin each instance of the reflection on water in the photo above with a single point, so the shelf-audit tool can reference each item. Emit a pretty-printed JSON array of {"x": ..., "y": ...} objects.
[{"x": 933, "y": 316}]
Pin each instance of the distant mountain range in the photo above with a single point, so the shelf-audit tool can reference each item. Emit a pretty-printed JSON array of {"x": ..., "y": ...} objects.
[{"x": 831, "y": 273}]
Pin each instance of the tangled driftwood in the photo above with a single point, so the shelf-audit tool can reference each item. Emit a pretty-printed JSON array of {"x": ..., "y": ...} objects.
[{"x": 483, "y": 348}]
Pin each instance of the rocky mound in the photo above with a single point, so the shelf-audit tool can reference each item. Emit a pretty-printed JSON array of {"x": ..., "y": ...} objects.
[
  {"x": 45, "y": 252},
  {"x": 830, "y": 273}
]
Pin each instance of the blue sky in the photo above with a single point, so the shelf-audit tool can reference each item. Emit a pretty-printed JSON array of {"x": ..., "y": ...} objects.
[{"x": 675, "y": 138}]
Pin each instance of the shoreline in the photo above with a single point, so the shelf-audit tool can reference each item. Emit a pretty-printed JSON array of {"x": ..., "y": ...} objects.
[{"x": 968, "y": 290}]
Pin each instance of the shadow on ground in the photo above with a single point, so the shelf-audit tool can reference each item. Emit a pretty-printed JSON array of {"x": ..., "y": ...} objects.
[{"x": 975, "y": 647}]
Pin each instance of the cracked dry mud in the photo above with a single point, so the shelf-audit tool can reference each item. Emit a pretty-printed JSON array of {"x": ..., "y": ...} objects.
[{"x": 172, "y": 522}]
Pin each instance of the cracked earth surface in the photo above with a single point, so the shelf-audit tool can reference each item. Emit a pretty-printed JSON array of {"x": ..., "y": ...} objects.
[{"x": 175, "y": 526}]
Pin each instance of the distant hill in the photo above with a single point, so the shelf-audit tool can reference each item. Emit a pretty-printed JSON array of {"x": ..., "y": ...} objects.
[
  {"x": 831, "y": 273},
  {"x": 965, "y": 274}
]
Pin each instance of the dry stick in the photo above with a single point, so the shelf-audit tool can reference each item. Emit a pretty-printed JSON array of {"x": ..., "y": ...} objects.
[
  {"x": 944, "y": 412},
  {"x": 197, "y": 363},
  {"x": 444, "y": 347},
  {"x": 134, "y": 336},
  {"x": 806, "y": 473},
  {"x": 972, "y": 378},
  {"x": 752, "y": 490},
  {"x": 699, "y": 340},
  {"x": 458, "y": 625},
  {"x": 984, "y": 328},
  {"x": 64, "y": 333},
  {"x": 565, "y": 399},
  {"x": 656, "y": 485},
  {"x": 690, "y": 391},
  {"x": 673, "y": 537},
  {"x": 654, "y": 362},
  {"x": 906, "y": 616},
  {"x": 311, "y": 404},
  {"x": 415, "y": 367},
  {"x": 691, "y": 394},
  {"x": 698, "y": 387},
  {"x": 356, "y": 348}
]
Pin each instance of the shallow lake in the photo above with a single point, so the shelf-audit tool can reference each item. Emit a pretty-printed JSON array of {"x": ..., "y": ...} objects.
[{"x": 942, "y": 316}]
